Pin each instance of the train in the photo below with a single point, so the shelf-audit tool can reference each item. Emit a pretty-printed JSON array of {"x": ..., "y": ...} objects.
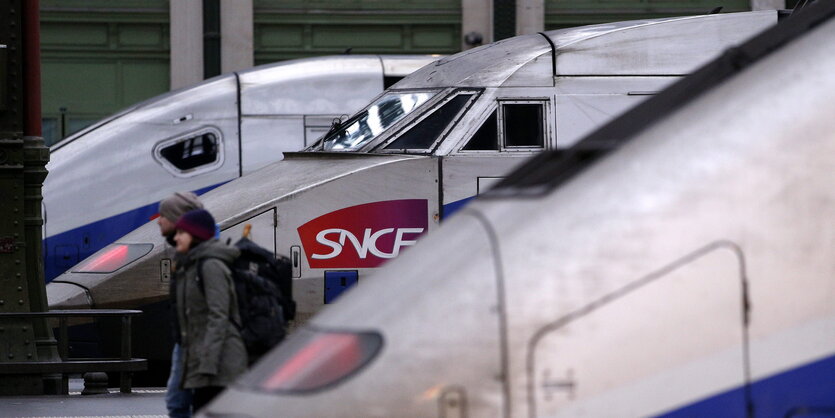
[
  {"x": 378, "y": 181},
  {"x": 684, "y": 270},
  {"x": 195, "y": 139}
]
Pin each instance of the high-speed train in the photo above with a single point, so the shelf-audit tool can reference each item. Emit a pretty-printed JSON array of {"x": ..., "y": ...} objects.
[
  {"x": 387, "y": 175},
  {"x": 106, "y": 180},
  {"x": 686, "y": 273}
]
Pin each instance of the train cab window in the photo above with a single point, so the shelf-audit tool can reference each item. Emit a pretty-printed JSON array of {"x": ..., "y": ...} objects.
[
  {"x": 432, "y": 127},
  {"x": 523, "y": 125},
  {"x": 362, "y": 128},
  {"x": 486, "y": 138},
  {"x": 187, "y": 154}
]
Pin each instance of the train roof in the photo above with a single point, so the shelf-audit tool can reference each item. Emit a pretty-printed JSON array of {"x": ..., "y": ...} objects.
[
  {"x": 621, "y": 48},
  {"x": 550, "y": 169},
  {"x": 258, "y": 84}
]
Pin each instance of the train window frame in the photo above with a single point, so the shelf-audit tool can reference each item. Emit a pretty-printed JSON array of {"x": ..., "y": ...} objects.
[
  {"x": 499, "y": 110},
  {"x": 502, "y": 119},
  {"x": 493, "y": 110},
  {"x": 430, "y": 111},
  {"x": 190, "y": 172}
]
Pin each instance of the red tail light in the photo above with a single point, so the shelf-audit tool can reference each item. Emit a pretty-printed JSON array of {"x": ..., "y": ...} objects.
[
  {"x": 113, "y": 257},
  {"x": 312, "y": 360}
]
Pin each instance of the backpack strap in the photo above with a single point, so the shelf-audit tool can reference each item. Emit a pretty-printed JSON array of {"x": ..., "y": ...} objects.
[{"x": 203, "y": 286}]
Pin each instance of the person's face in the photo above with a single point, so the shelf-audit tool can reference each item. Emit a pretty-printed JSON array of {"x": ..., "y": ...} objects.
[
  {"x": 183, "y": 240},
  {"x": 166, "y": 227}
]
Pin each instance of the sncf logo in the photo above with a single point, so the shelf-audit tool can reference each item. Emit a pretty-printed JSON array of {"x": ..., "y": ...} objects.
[
  {"x": 367, "y": 244},
  {"x": 364, "y": 235}
]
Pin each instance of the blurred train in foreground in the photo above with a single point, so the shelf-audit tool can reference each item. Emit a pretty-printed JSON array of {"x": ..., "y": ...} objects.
[
  {"x": 106, "y": 180},
  {"x": 416, "y": 154},
  {"x": 687, "y": 273}
]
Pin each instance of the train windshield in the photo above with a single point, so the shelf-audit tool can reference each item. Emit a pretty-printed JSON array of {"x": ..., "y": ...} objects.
[{"x": 371, "y": 122}]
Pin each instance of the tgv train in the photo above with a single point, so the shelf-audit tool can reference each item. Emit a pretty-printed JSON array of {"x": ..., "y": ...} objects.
[
  {"x": 106, "y": 180},
  {"x": 688, "y": 273},
  {"x": 375, "y": 183}
]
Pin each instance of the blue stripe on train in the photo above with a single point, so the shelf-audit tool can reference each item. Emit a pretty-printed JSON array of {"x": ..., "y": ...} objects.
[
  {"x": 807, "y": 391},
  {"x": 63, "y": 251},
  {"x": 453, "y": 207}
]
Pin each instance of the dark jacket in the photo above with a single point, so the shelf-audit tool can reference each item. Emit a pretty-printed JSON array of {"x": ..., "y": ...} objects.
[
  {"x": 214, "y": 351},
  {"x": 172, "y": 289}
]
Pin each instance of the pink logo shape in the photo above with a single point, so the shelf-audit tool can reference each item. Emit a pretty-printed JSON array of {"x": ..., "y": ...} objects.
[{"x": 364, "y": 235}]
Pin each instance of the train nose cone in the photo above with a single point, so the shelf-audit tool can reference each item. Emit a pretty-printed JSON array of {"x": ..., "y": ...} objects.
[{"x": 68, "y": 296}]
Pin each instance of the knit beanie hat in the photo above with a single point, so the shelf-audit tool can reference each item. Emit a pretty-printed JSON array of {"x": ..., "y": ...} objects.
[
  {"x": 177, "y": 204},
  {"x": 199, "y": 223}
]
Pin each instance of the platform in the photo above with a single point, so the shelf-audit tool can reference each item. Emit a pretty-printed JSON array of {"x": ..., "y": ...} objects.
[{"x": 143, "y": 402}]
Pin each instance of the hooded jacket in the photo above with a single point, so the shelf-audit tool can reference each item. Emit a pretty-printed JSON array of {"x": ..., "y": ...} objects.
[{"x": 214, "y": 351}]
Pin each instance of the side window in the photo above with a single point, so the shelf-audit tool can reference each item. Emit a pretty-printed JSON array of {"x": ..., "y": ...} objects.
[
  {"x": 487, "y": 136},
  {"x": 432, "y": 127},
  {"x": 197, "y": 151},
  {"x": 523, "y": 125}
]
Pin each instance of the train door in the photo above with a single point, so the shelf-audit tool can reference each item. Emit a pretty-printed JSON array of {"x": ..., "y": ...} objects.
[
  {"x": 261, "y": 230},
  {"x": 657, "y": 346},
  {"x": 339, "y": 231},
  {"x": 515, "y": 126}
]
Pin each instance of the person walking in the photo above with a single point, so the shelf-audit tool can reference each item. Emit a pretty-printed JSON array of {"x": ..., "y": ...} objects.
[
  {"x": 207, "y": 308},
  {"x": 177, "y": 400}
]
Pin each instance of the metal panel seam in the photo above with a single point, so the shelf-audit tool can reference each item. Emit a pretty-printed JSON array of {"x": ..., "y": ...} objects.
[
  {"x": 240, "y": 140},
  {"x": 553, "y": 55},
  {"x": 501, "y": 307}
]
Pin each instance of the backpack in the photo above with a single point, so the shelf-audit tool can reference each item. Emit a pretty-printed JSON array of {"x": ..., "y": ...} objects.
[{"x": 264, "y": 289}]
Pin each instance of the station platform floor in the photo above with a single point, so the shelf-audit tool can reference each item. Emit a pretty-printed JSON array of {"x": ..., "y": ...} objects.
[{"x": 142, "y": 402}]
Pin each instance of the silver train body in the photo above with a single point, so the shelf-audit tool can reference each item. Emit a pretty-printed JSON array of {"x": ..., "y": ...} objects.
[
  {"x": 687, "y": 273},
  {"x": 106, "y": 180},
  {"x": 339, "y": 215}
]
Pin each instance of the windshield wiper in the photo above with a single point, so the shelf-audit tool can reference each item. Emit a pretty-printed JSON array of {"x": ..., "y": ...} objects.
[{"x": 336, "y": 125}]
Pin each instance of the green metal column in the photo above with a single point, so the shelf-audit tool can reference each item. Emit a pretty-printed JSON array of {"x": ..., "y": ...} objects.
[
  {"x": 35, "y": 157},
  {"x": 16, "y": 336},
  {"x": 22, "y": 171}
]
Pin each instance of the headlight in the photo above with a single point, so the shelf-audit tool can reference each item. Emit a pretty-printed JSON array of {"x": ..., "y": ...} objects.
[{"x": 310, "y": 360}]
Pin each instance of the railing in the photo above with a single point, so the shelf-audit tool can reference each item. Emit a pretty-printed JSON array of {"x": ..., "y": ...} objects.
[{"x": 124, "y": 365}]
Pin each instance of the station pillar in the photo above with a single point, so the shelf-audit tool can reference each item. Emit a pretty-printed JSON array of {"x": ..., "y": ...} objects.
[
  {"x": 23, "y": 157},
  {"x": 530, "y": 16},
  {"x": 186, "y": 43},
  {"x": 476, "y": 23},
  {"x": 236, "y": 35}
]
